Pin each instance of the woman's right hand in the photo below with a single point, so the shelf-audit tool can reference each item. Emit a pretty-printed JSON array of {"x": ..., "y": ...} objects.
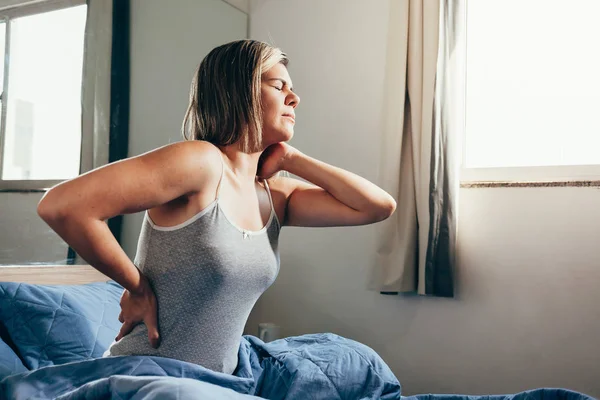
[{"x": 138, "y": 307}]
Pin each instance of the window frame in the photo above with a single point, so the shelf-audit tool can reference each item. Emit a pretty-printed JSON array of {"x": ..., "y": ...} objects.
[
  {"x": 552, "y": 173},
  {"x": 581, "y": 175},
  {"x": 18, "y": 10}
]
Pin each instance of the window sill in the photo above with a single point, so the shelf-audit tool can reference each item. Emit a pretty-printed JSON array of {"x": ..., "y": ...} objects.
[
  {"x": 23, "y": 190},
  {"x": 506, "y": 184},
  {"x": 25, "y": 186},
  {"x": 541, "y": 176}
]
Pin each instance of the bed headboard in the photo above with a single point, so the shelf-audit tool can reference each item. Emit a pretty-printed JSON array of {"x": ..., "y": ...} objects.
[{"x": 51, "y": 274}]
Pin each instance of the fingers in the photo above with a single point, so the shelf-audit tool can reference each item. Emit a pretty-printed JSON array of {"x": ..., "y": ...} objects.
[
  {"x": 125, "y": 329},
  {"x": 152, "y": 325}
]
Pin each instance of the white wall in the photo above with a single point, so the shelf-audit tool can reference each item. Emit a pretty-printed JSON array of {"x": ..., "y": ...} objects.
[
  {"x": 12, "y": 3},
  {"x": 25, "y": 239},
  {"x": 167, "y": 44},
  {"x": 526, "y": 310},
  {"x": 242, "y": 5}
]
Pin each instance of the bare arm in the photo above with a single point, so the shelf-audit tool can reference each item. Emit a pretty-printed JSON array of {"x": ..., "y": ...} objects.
[
  {"x": 334, "y": 196},
  {"x": 77, "y": 209}
]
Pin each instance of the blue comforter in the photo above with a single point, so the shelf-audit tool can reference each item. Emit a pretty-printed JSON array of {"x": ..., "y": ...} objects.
[
  {"x": 535, "y": 394},
  {"x": 319, "y": 366},
  {"x": 60, "y": 331}
]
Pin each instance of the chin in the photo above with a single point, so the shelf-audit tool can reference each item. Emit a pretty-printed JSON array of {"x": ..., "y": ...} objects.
[
  {"x": 279, "y": 137},
  {"x": 288, "y": 133},
  {"x": 289, "y": 136}
]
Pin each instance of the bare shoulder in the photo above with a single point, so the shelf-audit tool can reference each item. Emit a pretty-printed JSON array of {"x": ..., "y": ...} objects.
[
  {"x": 282, "y": 188},
  {"x": 195, "y": 152},
  {"x": 192, "y": 159},
  {"x": 286, "y": 185}
]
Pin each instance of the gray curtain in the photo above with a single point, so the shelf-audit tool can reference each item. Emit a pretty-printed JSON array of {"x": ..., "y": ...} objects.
[
  {"x": 105, "y": 91},
  {"x": 95, "y": 96},
  {"x": 423, "y": 125},
  {"x": 95, "y": 92}
]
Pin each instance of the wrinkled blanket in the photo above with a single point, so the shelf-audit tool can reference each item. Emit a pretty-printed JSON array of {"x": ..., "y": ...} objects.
[{"x": 318, "y": 366}]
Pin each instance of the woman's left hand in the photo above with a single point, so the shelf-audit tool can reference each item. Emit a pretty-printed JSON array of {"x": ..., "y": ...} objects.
[{"x": 274, "y": 158}]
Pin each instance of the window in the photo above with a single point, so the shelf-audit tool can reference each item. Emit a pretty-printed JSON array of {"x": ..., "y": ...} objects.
[
  {"x": 532, "y": 90},
  {"x": 40, "y": 131}
]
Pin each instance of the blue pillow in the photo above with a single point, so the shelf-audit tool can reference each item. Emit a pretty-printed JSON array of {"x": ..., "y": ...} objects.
[
  {"x": 57, "y": 324},
  {"x": 10, "y": 363}
]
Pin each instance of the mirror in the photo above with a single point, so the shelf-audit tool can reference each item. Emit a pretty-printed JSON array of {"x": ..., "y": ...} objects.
[{"x": 45, "y": 95}]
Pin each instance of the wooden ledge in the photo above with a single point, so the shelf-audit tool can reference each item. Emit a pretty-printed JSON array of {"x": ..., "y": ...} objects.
[{"x": 51, "y": 274}]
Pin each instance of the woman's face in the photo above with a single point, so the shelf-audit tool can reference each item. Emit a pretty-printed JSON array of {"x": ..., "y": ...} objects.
[{"x": 278, "y": 103}]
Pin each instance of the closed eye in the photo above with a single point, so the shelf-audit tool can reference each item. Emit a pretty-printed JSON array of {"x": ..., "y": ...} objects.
[{"x": 283, "y": 82}]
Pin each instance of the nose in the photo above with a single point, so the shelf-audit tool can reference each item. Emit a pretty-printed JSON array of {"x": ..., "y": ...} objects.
[{"x": 292, "y": 100}]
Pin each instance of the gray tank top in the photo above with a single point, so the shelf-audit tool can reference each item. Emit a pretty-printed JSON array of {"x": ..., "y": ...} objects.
[{"x": 207, "y": 274}]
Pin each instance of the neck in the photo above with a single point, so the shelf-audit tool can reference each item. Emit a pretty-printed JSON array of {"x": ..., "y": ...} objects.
[{"x": 243, "y": 165}]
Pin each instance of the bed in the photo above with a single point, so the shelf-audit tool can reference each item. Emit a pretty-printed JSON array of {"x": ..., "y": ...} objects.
[{"x": 55, "y": 324}]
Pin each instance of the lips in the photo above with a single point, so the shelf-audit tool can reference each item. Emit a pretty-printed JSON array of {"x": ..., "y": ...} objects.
[{"x": 290, "y": 116}]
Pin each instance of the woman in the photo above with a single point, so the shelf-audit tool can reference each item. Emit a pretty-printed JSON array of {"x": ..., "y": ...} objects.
[{"x": 208, "y": 246}]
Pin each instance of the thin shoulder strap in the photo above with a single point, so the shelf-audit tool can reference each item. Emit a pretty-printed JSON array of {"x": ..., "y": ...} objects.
[
  {"x": 269, "y": 193},
  {"x": 222, "y": 173}
]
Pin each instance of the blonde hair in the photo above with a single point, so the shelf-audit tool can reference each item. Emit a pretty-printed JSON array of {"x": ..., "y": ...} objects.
[{"x": 224, "y": 105}]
